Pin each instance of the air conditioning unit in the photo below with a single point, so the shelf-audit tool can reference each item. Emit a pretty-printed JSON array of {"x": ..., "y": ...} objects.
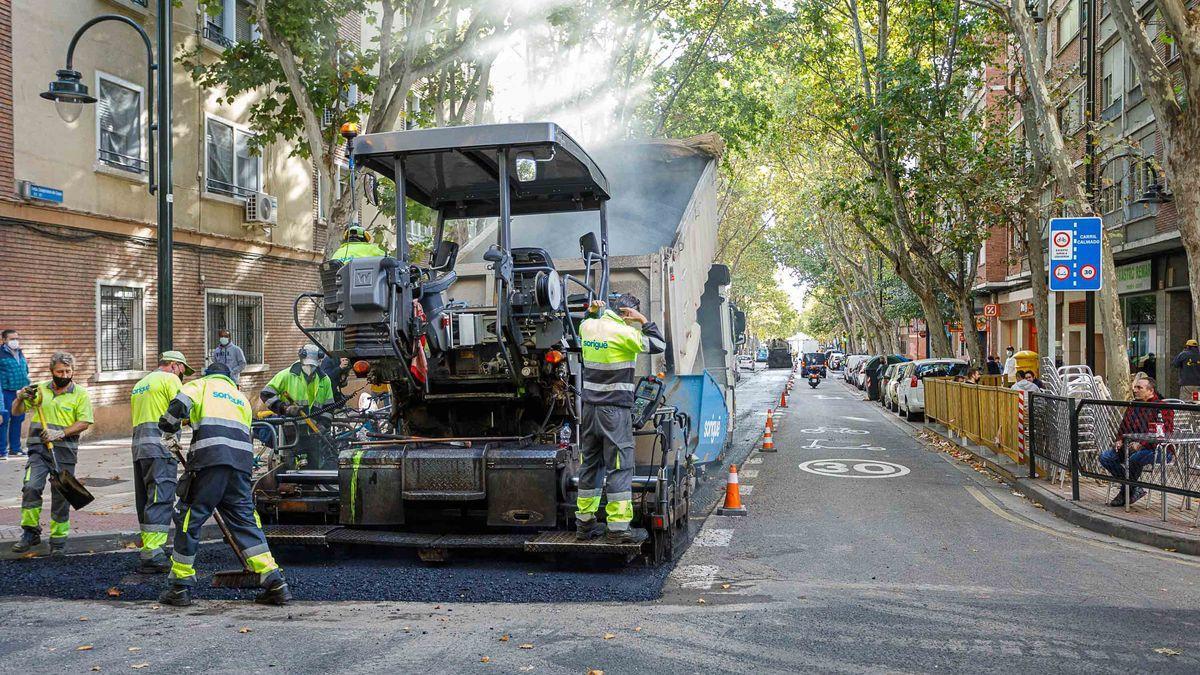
[{"x": 261, "y": 208}]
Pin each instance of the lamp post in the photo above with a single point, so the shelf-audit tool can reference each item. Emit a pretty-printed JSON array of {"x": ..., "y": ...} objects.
[{"x": 70, "y": 95}]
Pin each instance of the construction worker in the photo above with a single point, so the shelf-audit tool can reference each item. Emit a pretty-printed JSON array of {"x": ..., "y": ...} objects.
[
  {"x": 154, "y": 467},
  {"x": 1188, "y": 363},
  {"x": 299, "y": 390},
  {"x": 62, "y": 411},
  {"x": 357, "y": 245},
  {"x": 611, "y": 343},
  {"x": 217, "y": 478}
]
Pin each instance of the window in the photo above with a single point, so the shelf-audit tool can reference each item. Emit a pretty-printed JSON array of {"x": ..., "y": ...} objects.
[
  {"x": 230, "y": 23},
  {"x": 120, "y": 328},
  {"x": 1112, "y": 66},
  {"x": 1110, "y": 187},
  {"x": 119, "y": 124},
  {"x": 1067, "y": 24},
  {"x": 1156, "y": 30},
  {"x": 1141, "y": 175},
  {"x": 241, "y": 315},
  {"x": 231, "y": 168},
  {"x": 1070, "y": 113}
]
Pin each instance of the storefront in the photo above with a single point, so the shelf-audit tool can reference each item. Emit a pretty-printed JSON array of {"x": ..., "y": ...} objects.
[{"x": 1157, "y": 308}]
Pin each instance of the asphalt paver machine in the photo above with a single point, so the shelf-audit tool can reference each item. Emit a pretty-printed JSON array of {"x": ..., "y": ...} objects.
[{"x": 485, "y": 397}]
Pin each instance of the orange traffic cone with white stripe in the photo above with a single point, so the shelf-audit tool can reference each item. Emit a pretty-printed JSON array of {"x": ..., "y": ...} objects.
[
  {"x": 733, "y": 496},
  {"x": 783, "y": 399},
  {"x": 770, "y": 420},
  {"x": 768, "y": 441}
]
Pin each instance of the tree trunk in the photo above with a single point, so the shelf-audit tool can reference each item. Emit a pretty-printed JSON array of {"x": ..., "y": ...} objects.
[
  {"x": 1184, "y": 164},
  {"x": 939, "y": 342},
  {"x": 1035, "y": 250},
  {"x": 966, "y": 314}
]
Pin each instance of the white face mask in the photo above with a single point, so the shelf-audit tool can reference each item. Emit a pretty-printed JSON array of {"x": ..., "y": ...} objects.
[
  {"x": 224, "y": 341},
  {"x": 14, "y": 343},
  {"x": 308, "y": 369}
]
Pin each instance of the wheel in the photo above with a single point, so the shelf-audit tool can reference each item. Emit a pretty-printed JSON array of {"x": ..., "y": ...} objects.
[{"x": 914, "y": 416}]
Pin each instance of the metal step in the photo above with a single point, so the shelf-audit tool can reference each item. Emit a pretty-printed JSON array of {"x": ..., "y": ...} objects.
[
  {"x": 555, "y": 541},
  {"x": 298, "y": 534},
  {"x": 563, "y": 541}
]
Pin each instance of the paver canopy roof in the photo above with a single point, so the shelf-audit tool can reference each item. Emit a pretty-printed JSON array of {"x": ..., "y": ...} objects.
[{"x": 456, "y": 169}]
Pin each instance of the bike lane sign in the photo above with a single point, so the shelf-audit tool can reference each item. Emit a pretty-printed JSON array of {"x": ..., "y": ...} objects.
[{"x": 1075, "y": 247}]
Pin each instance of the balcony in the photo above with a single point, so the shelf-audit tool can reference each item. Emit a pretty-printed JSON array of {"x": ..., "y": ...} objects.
[{"x": 213, "y": 32}]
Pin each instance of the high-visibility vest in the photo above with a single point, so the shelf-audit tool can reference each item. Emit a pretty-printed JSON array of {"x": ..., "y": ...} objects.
[
  {"x": 306, "y": 391},
  {"x": 59, "y": 412},
  {"x": 357, "y": 249},
  {"x": 220, "y": 415},
  {"x": 610, "y": 350},
  {"x": 148, "y": 401}
]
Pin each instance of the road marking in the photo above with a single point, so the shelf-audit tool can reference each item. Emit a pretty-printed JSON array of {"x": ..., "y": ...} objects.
[
  {"x": 815, "y": 444},
  {"x": 857, "y": 419},
  {"x": 833, "y": 430},
  {"x": 746, "y": 489},
  {"x": 754, "y": 460},
  {"x": 828, "y": 398},
  {"x": 990, "y": 505},
  {"x": 700, "y": 577},
  {"x": 712, "y": 537},
  {"x": 854, "y": 468},
  {"x": 748, "y": 473}
]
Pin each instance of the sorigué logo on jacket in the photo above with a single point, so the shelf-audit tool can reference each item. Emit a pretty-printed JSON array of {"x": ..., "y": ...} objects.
[
  {"x": 228, "y": 397},
  {"x": 596, "y": 344}
]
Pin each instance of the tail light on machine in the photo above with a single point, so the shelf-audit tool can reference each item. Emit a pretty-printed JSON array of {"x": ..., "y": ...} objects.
[
  {"x": 555, "y": 357},
  {"x": 361, "y": 368},
  {"x": 913, "y": 382}
]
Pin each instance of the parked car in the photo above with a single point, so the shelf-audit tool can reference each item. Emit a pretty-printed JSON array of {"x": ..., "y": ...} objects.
[
  {"x": 911, "y": 394},
  {"x": 888, "y": 386},
  {"x": 835, "y": 360},
  {"x": 852, "y": 362},
  {"x": 873, "y": 373},
  {"x": 860, "y": 378},
  {"x": 745, "y": 362},
  {"x": 898, "y": 382}
]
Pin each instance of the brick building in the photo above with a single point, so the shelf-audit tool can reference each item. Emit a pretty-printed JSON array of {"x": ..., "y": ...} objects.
[
  {"x": 80, "y": 275},
  {"x": 1151, "y": 263}
]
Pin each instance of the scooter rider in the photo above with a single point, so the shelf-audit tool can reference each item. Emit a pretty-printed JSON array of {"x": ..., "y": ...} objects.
[{"x": 611, "y": 344}]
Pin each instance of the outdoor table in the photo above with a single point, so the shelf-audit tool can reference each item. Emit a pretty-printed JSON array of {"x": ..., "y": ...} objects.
[{"x": 1181, "y": 445}]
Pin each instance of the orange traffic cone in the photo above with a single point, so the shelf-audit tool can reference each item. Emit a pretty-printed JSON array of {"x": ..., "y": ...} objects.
[
  {"x": 768, "y": 441},
  {"x": 733, "y": 496},
  {"x": 783, "y": 399},
  {"x": 770, "y": 420}
]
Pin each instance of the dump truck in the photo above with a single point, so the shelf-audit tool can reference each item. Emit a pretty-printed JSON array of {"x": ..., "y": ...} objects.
[
  {"x": 779, "y": 353},
  {"x": 479, "y": 345}
]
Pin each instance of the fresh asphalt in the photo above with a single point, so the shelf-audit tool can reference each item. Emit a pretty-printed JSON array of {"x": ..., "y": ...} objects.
[{"x": 835, "y": 569}]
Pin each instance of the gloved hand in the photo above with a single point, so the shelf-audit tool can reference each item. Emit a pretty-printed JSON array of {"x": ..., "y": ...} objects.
[
  {"x": 51, "y": 435},
  {"x": 29, "y": 393},
  {"x": 171, "y": 443},
  {"x": 292, "y": 410}
]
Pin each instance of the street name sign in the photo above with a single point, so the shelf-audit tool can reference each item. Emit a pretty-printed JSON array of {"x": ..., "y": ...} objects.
[{"x": 1075, "y": 254}]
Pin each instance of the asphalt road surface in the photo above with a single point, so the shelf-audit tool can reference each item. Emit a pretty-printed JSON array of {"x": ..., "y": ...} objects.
[{"x": 863, "y": 552}]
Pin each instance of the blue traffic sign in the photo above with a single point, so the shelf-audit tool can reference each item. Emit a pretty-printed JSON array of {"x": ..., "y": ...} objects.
[{"x": 1075, "y": 254}]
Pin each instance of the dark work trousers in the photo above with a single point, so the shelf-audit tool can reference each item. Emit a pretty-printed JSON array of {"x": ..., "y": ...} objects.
[
  {"x": 606, "y": 440},
  {"x": 154, "y": 481}
]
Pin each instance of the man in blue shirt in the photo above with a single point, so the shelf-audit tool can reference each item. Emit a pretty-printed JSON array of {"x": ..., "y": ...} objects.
[{"x": 14, "y": 376}]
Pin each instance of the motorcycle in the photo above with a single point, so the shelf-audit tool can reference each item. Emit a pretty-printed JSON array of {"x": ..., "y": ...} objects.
[{"x": 814, "y": 378}]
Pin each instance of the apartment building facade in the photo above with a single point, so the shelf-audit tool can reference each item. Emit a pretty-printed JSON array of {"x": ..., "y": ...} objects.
[
  {"x": 79, "y": 268},
  {"x": 1129, "y": 191}
]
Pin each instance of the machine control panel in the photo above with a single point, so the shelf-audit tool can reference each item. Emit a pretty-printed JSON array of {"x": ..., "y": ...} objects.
[{"x": 647, "y": 397}]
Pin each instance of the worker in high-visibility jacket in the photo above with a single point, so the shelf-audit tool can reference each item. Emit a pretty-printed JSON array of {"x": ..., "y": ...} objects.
[
  {"x": 357, "y": 245},
  {"x": 299, "y": 391},
  {"x": 155, "y": 469},
  {"x": 62, "y": 411},
  {"x": 611, "y": 344},
  {"x": 217, "y": 477}
]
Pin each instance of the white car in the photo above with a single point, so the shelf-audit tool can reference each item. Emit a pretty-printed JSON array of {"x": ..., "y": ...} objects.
[
  {"x": 851, "y": 367},
  {"x": 745, "y": 362},
  {"x": 910, "y": 394},
  {"x": 891, "y": 375}
]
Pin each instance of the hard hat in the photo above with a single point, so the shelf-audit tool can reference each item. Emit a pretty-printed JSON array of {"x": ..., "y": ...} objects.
[
  {"x": 1191, "y": 343},
  {"x": 310, "y": 355},
  {"x": 358, "y": 231},
  {"x": 177, "y": 357}
]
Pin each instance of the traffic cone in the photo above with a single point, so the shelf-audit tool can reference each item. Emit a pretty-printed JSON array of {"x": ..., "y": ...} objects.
[
  {"x": 733, "y": 496},
  {"x": 768, "y": 441},
  {"x": 783, "y": 399},
  {"x": 770, "y": 420}
]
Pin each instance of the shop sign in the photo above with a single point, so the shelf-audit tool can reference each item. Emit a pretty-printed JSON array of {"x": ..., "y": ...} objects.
[{"x": 1134, "y": 278}]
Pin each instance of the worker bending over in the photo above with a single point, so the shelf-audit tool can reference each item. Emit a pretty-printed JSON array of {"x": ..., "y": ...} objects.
[
  {"x": 357, "y": 245},
  {"x": 217, "y": 478},
  {"x": 154, "y": 467},
  {"x": 62, "y": 411},
  {"x": 611, "y": 344},
  {"x": 300, "y": 390}
]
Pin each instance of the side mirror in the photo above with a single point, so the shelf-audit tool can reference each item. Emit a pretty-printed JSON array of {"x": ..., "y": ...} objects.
[
  {"x": 493, "y": 254},
  {"x": 526, "y": 167},
  {"x": 445, "y": 255},
  {"x": 589, "y": 245}
]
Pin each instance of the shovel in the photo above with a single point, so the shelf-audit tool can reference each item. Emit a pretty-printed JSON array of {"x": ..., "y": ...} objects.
[
  {"x": 64, "y": 481},
  {"x": 243, "y": 578}
]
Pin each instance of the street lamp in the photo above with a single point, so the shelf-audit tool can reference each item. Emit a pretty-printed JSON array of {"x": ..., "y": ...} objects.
[{"x": 70, "y": 94}]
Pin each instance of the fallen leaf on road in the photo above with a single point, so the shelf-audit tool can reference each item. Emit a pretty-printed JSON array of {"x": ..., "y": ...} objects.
[
  {"x": 637, "y": 629},
  {"x": 504, "y": 638},
  {"x": 485, "y": 659},
  {"x": 83, "y": 618},
  {"x": 114, "y": 592},
  {"x": 135, "y": 649},
  {"x": 609, "y": 636},
  {"x": 701, "y": 601},
  {"x": 1167, "y": 651},
  {"x": 95, "y": 669},
  {"x": 525, "y": 669},
  {"x": 525, "y": 646},
  {"x": 595, "y": 671},
  {"x": 725, "y": 586},
  {"x": 139, "y": 666},
  {"x": 244, "y": 629},
  {"x": 83, "y": 648}
]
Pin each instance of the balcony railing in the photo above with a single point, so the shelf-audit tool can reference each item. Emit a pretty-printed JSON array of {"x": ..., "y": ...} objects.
[
  {"x": 123, "y": 162},
  {"x": 213, "y": 32}
]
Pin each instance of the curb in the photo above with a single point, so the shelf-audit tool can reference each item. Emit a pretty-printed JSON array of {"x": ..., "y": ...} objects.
[
  {"x": 1077, "y": 515},
  {"x": 95, "y": 542}
]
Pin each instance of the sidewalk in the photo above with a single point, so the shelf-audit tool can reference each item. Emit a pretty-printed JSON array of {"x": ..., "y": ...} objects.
[{"x": 105, "y": 467}]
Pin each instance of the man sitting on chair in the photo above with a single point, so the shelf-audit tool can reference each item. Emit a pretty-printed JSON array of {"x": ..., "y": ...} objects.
[{"x": 1137, "y": 420}]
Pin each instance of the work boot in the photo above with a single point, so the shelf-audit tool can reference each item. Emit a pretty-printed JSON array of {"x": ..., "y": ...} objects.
[
  {"x": 1138, "y": 493},
  {"x": 587, "y": 531},
  {"x": 1119, "y": 500},
  {"x": 275, "y": 594},
  {"x": 618, "y": 537},
  {"x": 29, "y": 538},
  {"x": 176, "y": 596},
  {"x": 58, "y": 547},
  {"x": 156, "y": 565}
]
